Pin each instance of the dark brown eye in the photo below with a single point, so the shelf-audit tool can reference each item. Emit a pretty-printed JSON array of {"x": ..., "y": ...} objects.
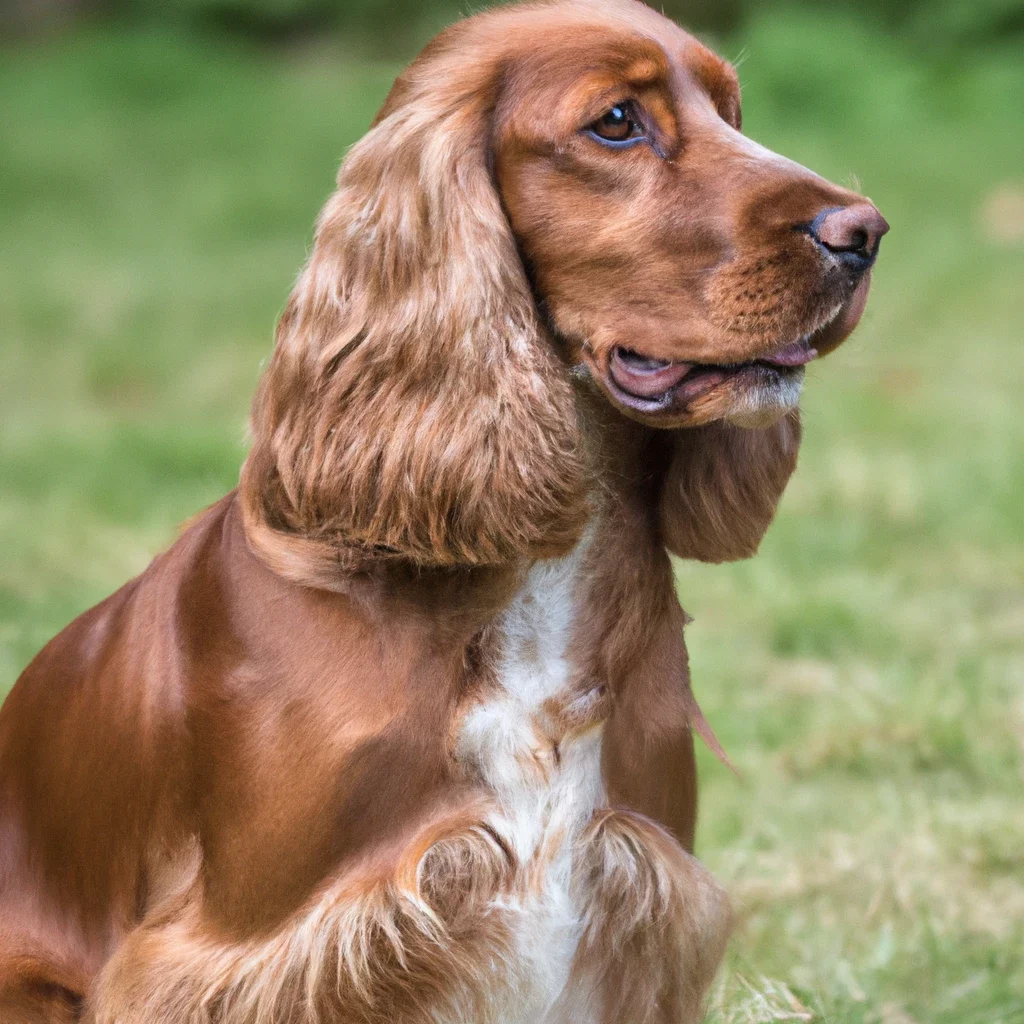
[{"x": 618, "y": 124}]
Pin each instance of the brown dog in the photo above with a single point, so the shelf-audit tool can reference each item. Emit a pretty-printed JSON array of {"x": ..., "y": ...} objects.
[{"x": 401, "y": 730}]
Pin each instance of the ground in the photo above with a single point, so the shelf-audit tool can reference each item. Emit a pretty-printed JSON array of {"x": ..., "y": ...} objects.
[{"x": 865, "y": 671}]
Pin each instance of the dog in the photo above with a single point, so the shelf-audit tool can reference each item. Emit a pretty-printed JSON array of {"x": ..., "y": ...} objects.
[{"x": 401, "y": 729}]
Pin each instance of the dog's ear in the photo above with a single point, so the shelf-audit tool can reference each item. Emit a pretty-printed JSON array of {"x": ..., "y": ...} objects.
[
  {"x": 413, "y": 407},
  {"x": 723, "y": 485}
]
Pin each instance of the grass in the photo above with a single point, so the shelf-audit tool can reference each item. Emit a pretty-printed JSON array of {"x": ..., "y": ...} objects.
[{"x": 865, "y": 671}]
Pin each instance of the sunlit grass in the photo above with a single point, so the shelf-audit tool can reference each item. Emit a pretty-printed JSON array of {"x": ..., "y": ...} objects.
[{"x": 865, "y": 671}]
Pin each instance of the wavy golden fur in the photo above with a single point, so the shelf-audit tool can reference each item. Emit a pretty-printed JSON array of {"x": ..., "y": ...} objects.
[
  {"x": 414, "y": 326},
  {"x": 401, "y": 731}
]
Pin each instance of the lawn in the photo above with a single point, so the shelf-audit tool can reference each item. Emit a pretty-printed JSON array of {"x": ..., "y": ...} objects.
[{"x": 865, "y": 671}]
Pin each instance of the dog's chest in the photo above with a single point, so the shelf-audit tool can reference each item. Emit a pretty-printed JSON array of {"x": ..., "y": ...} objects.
[{"x": 534, "y": 741}]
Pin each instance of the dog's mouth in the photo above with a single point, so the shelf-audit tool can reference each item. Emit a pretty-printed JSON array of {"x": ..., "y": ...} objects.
[
  {"x": 649, "y": 385},
  {"x": 657, "y": 388}
]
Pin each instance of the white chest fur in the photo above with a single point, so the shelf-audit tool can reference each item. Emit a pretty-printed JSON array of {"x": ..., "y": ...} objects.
[{"x": 545, "y": 777}]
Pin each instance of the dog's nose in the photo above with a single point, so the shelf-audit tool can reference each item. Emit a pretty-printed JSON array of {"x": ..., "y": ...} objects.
[{"x": 851, "y": 232}]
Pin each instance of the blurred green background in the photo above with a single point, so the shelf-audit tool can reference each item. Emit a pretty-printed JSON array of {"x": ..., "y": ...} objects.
[{"x": 161, "y": 164}]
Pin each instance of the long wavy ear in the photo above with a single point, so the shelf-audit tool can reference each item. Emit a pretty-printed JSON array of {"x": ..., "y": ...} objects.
[
  {"x": 723, "y": 485},
  {"x": 413, "y": 407}
]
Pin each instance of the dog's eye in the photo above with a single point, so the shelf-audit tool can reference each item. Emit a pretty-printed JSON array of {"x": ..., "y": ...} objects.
[{"x": 617, "y": 125}]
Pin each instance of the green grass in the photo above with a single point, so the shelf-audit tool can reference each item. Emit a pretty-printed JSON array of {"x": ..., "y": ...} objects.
[{"x": 865, "y": 671}]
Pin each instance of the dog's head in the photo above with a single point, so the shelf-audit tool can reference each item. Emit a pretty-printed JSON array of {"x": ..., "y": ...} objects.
[
  {"x": 550, "y": 191},
  {"x": 693, "y": 271}
]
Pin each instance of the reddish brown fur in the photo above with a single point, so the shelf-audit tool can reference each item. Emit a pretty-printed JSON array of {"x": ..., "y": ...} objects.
[{"x": 228, "y": 793}]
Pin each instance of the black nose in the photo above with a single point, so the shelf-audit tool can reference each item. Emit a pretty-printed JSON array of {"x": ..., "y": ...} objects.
[{"x": 851, "y": 232}]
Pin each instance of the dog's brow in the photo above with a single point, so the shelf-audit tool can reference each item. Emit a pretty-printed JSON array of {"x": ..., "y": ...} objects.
[{"x": 644, "y": 72}]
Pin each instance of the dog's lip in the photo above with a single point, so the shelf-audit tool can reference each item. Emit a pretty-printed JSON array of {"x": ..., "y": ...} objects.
[
  {"x": 656, "y": 382},
  {"x": 642, "y": 376},
  {"x": 799, "y": 353}
]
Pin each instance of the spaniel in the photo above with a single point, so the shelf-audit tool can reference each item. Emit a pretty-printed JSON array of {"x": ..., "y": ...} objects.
[{"x": 400, "y": 730}]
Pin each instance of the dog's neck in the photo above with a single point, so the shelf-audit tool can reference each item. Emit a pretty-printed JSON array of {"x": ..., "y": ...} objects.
[{"x": 626, "y": 463}]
